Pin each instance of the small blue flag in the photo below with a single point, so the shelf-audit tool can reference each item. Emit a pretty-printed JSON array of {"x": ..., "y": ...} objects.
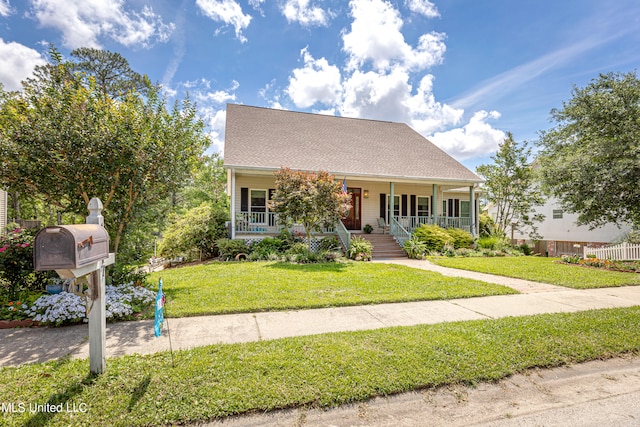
[
  {"x": 159, "y": 317},
  {"x": 344, "y": 185}
]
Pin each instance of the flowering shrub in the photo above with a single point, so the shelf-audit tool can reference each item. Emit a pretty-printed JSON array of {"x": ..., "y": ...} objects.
[
  {"x": 16, "y": 263},
  {"x": 66, "y": 308},
  {"x": 13, "y": 310}
]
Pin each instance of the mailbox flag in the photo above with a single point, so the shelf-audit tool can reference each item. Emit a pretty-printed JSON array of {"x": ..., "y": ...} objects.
[{"x": 159, "y": 317}]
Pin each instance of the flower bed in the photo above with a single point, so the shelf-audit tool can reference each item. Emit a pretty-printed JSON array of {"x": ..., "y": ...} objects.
[
  {"x": 66, "y": 308},
  {"x": 604, "y": 264}
]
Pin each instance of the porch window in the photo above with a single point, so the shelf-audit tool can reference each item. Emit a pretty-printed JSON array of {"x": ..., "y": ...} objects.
[
  {"x": 396, "y": 204},
  {"x": 258, "y": 205},
  {"x": 424, "y": 205},
  {"x": 464, "y": 209}
]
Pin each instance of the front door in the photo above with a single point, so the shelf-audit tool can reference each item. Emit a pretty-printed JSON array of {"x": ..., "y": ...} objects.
[{"x": 353, "y": 219}]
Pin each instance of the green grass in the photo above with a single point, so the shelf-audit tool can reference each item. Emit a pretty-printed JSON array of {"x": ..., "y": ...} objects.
[
  {"x": 262, "y": 286},
  {"x": 545, "y": 270},
  {"x": 323, "y": 370}
]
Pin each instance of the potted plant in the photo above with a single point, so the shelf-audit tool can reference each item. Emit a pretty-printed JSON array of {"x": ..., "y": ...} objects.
[{"x": 368, "y": 229}]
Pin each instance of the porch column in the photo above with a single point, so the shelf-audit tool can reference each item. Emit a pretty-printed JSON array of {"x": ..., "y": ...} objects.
[
  {"x": 434, "y": 203},
  {"x": 391, "y": 201},
  {"x": 233, "y": 203},
  {"x": 472, "y": 210}
]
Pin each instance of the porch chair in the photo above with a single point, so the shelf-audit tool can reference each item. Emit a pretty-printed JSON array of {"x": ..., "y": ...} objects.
[{"x": 382, "y": 224}]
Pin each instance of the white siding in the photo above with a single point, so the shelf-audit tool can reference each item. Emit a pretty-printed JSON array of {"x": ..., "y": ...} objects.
[{"x": 565, "y": 229}]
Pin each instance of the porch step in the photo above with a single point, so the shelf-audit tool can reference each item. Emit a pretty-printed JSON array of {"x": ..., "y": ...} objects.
[{"x": 384, "y": 246}]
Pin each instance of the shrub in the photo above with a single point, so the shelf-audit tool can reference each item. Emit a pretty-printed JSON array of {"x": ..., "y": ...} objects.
[
  {"x": 330, "y": 243},
  {"x": 571, "y": 259},
  {"x": 267, "y": 248},
  {"x": 360, "y": 249},
  {"x": 198, "y": 229},
  {"x": 16, "y": 263},
  {"x": 487, "y": 225},
  {"x": 494, "y": 243},
  {"x": 461, "y": 238},
  {"x": 525, "y": 249},
  {"x": 127, "y": 274},
  {"x": 434, "y": 237},
  {"x": 415, "y": 248},
  {"x": 229, "y": 249},
  {"x": 367, "y": 228}
]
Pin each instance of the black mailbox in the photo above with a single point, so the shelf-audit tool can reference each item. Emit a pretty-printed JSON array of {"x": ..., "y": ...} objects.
[{"x": 66, "y": 247}]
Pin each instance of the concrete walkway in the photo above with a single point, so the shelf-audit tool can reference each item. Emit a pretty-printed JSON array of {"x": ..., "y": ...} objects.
[{"x": 19, "y": 346}]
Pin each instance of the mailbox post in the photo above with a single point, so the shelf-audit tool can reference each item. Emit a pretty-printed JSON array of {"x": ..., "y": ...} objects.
[
  {"x": 75, "y": 251},
  {"x": 97, "y": 315}
]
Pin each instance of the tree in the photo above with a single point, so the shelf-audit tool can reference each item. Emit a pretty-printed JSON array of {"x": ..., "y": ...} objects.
[
  {"x": 590, "y": 161},
  {"x": 311, "y": 199},
  {"x": 511, "y": 186},
  {"x": 66, "y": 141},
  {"x": 111, "y": 71}
]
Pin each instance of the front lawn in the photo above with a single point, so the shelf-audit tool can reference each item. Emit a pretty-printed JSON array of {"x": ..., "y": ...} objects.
[
  {"x": 216, "y": 287},
  {"x": 322, "y": 370},
  {"x": 542, "y": 269}
]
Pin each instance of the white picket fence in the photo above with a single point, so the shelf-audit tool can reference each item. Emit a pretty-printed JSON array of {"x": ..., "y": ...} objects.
[{"x": 623, "y": 251}]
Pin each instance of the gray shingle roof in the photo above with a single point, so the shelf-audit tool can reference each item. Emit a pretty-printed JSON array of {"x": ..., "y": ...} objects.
[{"x": 263, "y": 138}]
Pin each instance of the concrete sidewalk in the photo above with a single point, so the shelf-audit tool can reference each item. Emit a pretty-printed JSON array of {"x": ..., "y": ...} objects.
[{"x": 19, "y": 346}]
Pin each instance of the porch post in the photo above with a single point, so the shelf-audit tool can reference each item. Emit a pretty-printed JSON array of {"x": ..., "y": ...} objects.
[
  {"x": 391, "y": 201},
  {"x": 472, "y": 210},
  {"x": 434, "y": 203},
  {"x": 233, "y": 203}
]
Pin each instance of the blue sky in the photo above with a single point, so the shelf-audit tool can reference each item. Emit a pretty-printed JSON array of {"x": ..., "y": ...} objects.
[{"x": 462, "y": 73}]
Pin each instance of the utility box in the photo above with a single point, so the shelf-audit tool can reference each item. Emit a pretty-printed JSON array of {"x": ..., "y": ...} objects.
[{"x": 70, "y": 247}]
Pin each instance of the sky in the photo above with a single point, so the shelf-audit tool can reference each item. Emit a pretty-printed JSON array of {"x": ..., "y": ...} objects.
[{"x": 460, "y": 72}]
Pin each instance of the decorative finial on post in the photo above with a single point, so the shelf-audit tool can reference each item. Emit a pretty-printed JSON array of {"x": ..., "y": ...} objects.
[{"x": 95, "y": 212}]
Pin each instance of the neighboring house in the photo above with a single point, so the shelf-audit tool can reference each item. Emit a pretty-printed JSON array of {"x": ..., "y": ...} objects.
[
  {"x": 3, "y": 211},
  {"x": 561, "y": 235},
  {"x": 393, "y": 174}
]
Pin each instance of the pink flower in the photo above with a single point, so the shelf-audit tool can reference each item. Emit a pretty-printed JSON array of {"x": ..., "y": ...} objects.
[
  {"x": 2, "y": 249},
  {"x": 24, "y": 245}
]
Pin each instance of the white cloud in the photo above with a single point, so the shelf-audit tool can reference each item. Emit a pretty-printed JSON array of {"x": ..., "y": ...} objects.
[
  {"x": 476, "y": 138},
  {"x": 83, "y": 22},
  {"x": 227, "y": 11},
  {"x": 215, "y": 120},
  {"x": 316, "y": 82},
  {"x": 377, "y": 96},
  {"x": 218, "y": 96},
  {"x": 423, "y": 7},
  {"x": 300, "y": 11},
  {"x": 17, "y": 63},
  {"x": 428, "y": 115},
  {"x": 376, "y": 37},
  {"x": 5, "y": 8}
]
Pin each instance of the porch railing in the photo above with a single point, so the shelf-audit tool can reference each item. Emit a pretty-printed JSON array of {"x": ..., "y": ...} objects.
[
  {"x": 267, "y": 223},
  {"x": 398, "y": 231},
  {"x": 410, "y": 223},
  {"x": 257, "y": 222},
  {"x": 343, "y": 234}
]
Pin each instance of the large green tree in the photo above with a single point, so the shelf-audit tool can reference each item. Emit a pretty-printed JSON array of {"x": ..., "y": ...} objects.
[
  {"x": 313, "y": 199},
  {"x": 511, "y": 187},
  {"x": 590, "y": 160},
  {"x": 66, "y": 140}
]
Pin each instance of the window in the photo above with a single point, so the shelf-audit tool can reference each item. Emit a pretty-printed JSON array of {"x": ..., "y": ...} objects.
[
  {"x": 396, "y": 205},
  {"x": 557, "y": 213},
  {"x": 464, "y": 209},
  {"x": 258, "y": 205},
  {"x": 423, "y": 206}
]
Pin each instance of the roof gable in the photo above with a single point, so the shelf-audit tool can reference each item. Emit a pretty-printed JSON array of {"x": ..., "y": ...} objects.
[{"x": 262, "y": 138}]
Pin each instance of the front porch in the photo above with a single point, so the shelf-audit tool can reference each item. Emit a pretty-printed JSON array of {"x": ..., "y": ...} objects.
[{"x": 266, "y": 223}]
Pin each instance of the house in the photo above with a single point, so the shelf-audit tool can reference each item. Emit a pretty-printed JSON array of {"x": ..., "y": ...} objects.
[
  {"x": 3, "y": 211},
  {"x": 394, "y": 175},
  {"x": 562, "y": 236}
]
